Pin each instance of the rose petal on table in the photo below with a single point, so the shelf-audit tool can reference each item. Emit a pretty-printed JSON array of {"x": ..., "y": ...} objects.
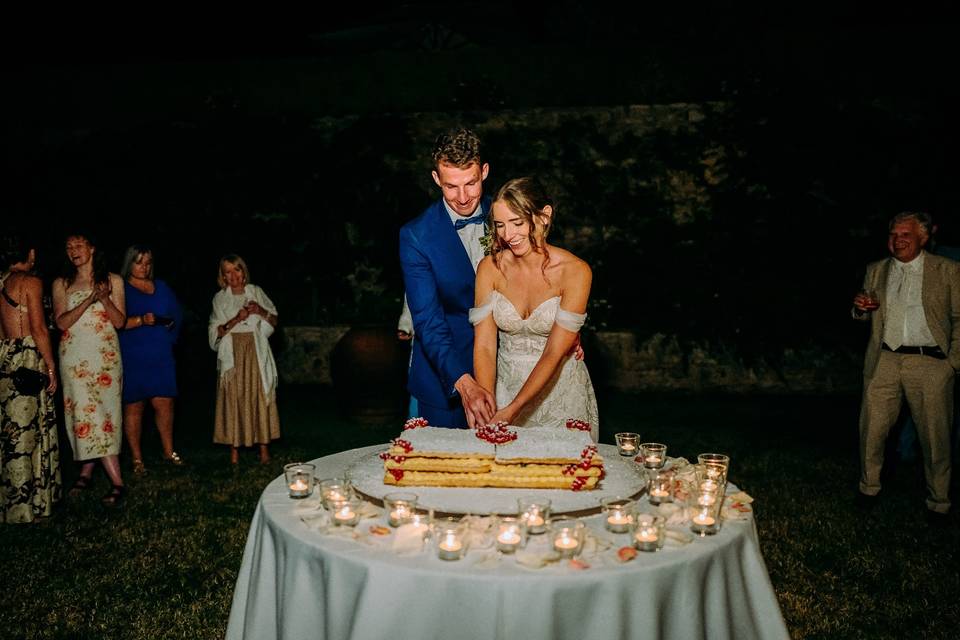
[
  {"x": 740, "y": 496},
  {"x": 579, "y": 565},
  {"x": 626, "y": 554},
  {"x": 379, "y": 530}
]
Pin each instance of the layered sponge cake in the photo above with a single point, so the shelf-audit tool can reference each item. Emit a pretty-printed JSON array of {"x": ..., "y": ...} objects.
[{"x": 495, "y": 456}]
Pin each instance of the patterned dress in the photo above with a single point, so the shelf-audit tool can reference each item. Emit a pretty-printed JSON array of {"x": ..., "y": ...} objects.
[
  {"x": 91, "y": 374},
  {"x": 29, "y": 450}
]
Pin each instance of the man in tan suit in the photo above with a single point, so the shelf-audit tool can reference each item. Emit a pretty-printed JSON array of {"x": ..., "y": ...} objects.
[{"x": 912, "y": 300}]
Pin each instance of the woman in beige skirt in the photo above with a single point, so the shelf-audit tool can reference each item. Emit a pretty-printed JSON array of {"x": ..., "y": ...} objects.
[{"x": 242, "y": 320}]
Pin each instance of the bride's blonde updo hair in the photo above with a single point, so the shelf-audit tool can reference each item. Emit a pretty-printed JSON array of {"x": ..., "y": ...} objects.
[{"x": 527, "y": 198}]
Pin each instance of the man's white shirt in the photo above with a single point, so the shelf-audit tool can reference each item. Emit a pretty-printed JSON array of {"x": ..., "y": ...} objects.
[
  {"x": 906, "y": 323},
  {"x": 470, "y": 235}
]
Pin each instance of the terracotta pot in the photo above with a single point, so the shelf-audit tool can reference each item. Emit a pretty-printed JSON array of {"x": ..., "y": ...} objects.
[{"x": 369, "y": 371}]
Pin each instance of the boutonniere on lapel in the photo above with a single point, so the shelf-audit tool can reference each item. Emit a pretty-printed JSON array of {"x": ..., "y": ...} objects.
[{"x": 486, "y": 240}]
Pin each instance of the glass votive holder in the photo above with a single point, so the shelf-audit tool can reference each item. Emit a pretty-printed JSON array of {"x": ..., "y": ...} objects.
[
  {"x": 400, "y": 507},
  {"x": 299, "y": 477},
  {"x": 715, "y": 462},
  {"x": 535, "y": 513},
  {"x": 718, "y": 459},
  {"x": 618, "y": 514},
  {"x": 333, "y": 490},
  {"x": 710, "y": 476},
  {"x": 628, "y": 444},
  {"x": 653, "y": 455},
  {"x": 648, "y": 532},
  {"x": 450, "y": 539},
  {"x": 511, "y": 534},
  {"x": 345, "y": 513},
  {"x": 421, "y": 522},
  {"x": 567, "y": 536},
  {"x": 660, "y": 487},
  {"x": 705, "y": 509}
]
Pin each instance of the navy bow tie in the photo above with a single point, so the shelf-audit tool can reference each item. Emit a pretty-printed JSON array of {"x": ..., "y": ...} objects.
[{"x": 462, "y": 222}]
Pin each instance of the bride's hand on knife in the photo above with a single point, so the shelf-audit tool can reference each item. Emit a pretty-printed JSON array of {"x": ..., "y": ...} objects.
[{"x": 507, "y": 414}]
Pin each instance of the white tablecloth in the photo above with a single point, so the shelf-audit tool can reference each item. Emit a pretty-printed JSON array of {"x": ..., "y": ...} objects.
[{"x": 296, "y": 583}]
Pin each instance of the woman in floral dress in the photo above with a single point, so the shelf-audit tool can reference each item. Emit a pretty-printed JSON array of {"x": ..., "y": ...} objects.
[
  {"x": 88, "y": 304},
  {"x": 29, "y": 450}
]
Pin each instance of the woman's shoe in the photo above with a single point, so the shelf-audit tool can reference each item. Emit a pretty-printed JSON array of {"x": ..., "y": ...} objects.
[
  {"x": 138, "y": 468},
  {"x": 115, "y": 497},
  {"x": 82, "y": 484},
  {"x": 174, "y": 459}
]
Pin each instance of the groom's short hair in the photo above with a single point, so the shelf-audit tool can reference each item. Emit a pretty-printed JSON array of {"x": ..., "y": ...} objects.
[{"x": 459, "y": 147}]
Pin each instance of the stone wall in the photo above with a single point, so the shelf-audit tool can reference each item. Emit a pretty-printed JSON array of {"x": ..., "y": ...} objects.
[{"x": 620, "y": 360}]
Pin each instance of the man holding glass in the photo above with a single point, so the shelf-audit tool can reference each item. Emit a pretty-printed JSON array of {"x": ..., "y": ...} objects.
[{"x": 912, "y": 300}]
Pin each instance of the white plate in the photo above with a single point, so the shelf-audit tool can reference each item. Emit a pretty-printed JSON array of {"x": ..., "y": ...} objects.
[{"x": 621, "y": 479}]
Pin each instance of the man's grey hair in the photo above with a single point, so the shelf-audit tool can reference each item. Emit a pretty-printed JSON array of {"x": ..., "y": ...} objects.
[{"x": 923, "y": 219}]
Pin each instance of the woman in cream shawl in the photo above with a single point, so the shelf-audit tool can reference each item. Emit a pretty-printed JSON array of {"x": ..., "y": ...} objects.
[{"x": 242, "y": 320}]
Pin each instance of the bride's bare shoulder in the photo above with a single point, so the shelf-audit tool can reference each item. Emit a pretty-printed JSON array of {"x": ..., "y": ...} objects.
[{"x": 569, "y": 264}]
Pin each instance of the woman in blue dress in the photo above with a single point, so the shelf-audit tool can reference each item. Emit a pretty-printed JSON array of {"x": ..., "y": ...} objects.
[{"x": 146, "y": 345}]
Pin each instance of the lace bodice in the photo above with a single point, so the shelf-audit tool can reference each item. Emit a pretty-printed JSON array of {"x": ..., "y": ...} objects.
[{"x": 521, "y": 343}]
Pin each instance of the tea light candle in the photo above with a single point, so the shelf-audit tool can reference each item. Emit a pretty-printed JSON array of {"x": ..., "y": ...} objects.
[
  {"x": 627, "y": 443},
  {"x": 659, "y": 495},
  {"x": 652, "y": 462},
  {"x": 703, "y": 524},
  {"x": 345, "y": 515},
  {"x": 619, "y": 522},
  {"x": 647, "y": 539},
  {"x": 399, "y": 515},
  {"x": 508, "y": 541},
  {"x": 566, "y": 545},
  {"x": 535, "y": 522},
  {"x": 450, "y": 548},
  {"x": 335, "y": 496},
  {"x": 299, "y": 488},
  {"x": 299, "y": 477}
]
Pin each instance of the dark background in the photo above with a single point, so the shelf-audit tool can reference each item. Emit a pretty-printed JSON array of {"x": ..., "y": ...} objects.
[{"x": 288, "y": 141}]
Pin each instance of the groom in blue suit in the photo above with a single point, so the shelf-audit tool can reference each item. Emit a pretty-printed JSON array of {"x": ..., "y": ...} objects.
[{"x": 439, "y": 253}]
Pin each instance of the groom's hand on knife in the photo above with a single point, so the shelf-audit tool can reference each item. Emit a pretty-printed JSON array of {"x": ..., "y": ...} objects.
[{"x": 478, "y": 403}]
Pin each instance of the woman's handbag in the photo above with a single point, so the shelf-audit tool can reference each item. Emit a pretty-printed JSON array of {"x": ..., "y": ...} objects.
[{"x": 29, "y": 382}]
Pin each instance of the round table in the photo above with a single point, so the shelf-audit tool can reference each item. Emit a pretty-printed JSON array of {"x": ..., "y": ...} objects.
[{"x": 296, "y": 582}]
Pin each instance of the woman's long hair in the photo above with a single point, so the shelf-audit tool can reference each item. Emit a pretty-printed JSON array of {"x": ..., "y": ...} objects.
[
  {"x": 100, "y": 272},
  {"x": 527, "y": 198},
  {"x": 130, "y": 258}
]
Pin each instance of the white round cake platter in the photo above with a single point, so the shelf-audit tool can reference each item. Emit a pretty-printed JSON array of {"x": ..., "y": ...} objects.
[{"x": 622, "y": 479}]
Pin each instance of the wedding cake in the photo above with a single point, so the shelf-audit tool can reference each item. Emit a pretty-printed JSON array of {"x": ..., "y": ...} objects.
[{"x": 494, "y": 456}]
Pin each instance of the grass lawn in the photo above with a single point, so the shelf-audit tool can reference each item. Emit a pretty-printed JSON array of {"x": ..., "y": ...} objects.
[{"x": 164, "y": 565}]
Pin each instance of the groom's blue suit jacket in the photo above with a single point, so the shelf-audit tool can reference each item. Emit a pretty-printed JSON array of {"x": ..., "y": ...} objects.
[{"x": 439, "y": 280}]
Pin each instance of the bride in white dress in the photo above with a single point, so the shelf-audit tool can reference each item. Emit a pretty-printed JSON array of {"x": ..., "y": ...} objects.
[{"x": 533, "y": 297}]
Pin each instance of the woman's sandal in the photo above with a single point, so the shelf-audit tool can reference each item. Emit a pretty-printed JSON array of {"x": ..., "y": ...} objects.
[
  {"x": 174, "y": 459},
  {"x": 115, "y": 497},
  {"x": 82, "y": 484},
  {"x": 139, "y": 468}
]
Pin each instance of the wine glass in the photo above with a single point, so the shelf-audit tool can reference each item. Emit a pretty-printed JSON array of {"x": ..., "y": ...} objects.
[{"x": 871, "y": 301}]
